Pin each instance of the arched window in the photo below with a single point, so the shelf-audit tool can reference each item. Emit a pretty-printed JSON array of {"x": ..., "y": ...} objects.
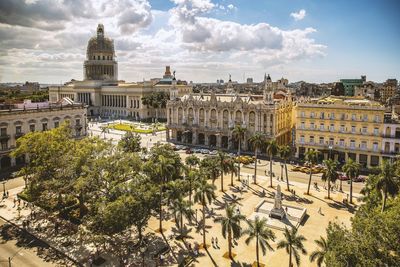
[
  {"x": 104, "y": 57},
  {"x": 98, "y": 57}
]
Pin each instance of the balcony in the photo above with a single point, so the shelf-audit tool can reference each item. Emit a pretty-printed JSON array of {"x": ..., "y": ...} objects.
[
  {"x": 4, "y": 137},
  {"x": 18, "y": 135}
]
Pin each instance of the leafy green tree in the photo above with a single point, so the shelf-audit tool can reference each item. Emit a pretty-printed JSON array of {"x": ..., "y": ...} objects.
[
  {"x": 352, "y": 170},
  {"x": 388, "y": 181},
  {"x": 230, "y": 225},
  {"x": 293, "y": 242},
  {"x": 259, "y": 231},
  {"x": 238, "y": 134},
  {"x": 205, "y": 193},
  {"x": 311, "y": 157},
  {"x": 285, "y": 152},
  {"x": 319, "y": 254},
  {"x": 272, "y": 150},
  {"x": 330, "y": 173},
  {"x": 257, "y": 141},
  {"x": 130, "y": 142}
]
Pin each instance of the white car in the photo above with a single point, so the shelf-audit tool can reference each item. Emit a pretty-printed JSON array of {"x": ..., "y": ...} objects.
[
  {"x": 214, "y": 152},
  {"x": 205, "y": 151}
]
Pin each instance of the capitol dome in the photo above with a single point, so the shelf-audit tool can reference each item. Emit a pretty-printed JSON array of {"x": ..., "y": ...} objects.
[{"x": 100, "y": 63}]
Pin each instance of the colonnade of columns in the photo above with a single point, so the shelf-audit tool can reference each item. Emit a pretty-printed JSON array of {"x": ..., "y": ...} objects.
[{"x": 114, "y": 101}]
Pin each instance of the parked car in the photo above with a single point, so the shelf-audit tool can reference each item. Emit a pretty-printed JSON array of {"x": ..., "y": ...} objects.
[
  {"x": 196, "y": 150},
  {"x": 343, "y": 177},
  {"x": 232, "y": 155},
  {"x": 359, "y": 179},
  {"x": 214, "y": 152},
  {"x": 189, "y": 151},
  {"x": 205, "y": 151}
]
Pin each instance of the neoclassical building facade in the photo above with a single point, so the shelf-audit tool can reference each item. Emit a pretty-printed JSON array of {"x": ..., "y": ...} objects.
[
  {"x": 104, "y": 94},
  {"x": 209, "y": 119}
]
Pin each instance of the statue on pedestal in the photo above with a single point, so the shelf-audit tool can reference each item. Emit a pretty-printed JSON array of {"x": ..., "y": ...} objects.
[{"x": 277, "y": 212}]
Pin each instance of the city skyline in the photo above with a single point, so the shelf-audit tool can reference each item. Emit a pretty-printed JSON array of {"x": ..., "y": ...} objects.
[{"x": 202, "y": 40}]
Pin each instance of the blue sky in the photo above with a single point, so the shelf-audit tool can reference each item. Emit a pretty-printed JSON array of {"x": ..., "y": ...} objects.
[{"x": 206, "y": 39}]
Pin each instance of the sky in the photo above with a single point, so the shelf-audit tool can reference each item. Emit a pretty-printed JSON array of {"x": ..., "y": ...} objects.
[{"x": 203, "y": 40}]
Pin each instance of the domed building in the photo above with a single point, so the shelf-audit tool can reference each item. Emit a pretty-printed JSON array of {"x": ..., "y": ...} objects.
[{"x": 100, "y": 63}]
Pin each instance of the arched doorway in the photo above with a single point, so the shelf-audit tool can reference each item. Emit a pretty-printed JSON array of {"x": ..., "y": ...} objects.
[
  {"x": 188, "y": 137},
  {"x": 212, "y": 140},
  {"x": 224, "y": 141},
  {"x": 201, "y": 138},
  {"x": 179, "y": 136},
  {"x": 5, "y": 162}
]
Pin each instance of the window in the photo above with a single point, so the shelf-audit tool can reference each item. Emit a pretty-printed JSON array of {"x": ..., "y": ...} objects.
[
  {"x": 312, "y": 126},
  {"x": 302, "y": 115},
  {"x": 341, "y": 142},
  {"x": 44, "y": 126},
  {"x": 56, "y": 124},
  {"x": 104, "y": 57},
  {"x": 353, "y": 117},
  {"x": 321, "y": 126},
  {"x": 18, "y": 129},
  {"x": 322, "y": 115},
  {"x": 375, "y": 146},
  {"x": 331, "y": 141},
  {"x": 377, "y": 118},
  {"x": 343, "y": 116},
  {"x": 4, "y": 145},
  {"x": 376, "y": 131},
  {"x": 353, "y": 129},
  {"x": 342, "y": 129},
  {"x": 302, "y": 125},
  {"x": 77, "y": 122},
  {"x": 302, "y": 139},
  {"x": 312, "y": 139},
  {"x": 3, "y": 131},
  {"x": 312, "y": 115},
  {"x": 352, "y": 144},
  {"x": 321, "y": 140},
  {"x": 98, "y": 57},
  {"x": 364, "y": 130},
  {"x": 363, "y": 144},
  {"x": 32, "y": 127},
  {"x": 332, "y": 127},
  {"x": 365, "y": 117}
]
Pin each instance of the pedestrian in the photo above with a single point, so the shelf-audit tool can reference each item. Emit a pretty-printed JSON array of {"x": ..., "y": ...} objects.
[
  {"x": 15, "y": 201},
  {"x": 212, "y": 241},
  {"x": 7, "y": 194},
  {"x": 319, "y": 210},
  {"x": 19, "y": 202},
  {"x": 216, "y": 241},
  {"x": 190, "y": 246}
]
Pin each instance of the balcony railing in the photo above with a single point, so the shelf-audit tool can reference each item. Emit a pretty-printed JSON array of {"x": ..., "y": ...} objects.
[{"x": 4, "y": 137}]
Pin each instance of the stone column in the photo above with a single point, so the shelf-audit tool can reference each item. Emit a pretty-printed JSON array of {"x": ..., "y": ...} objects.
[
  {"x": 206, "y": 139},
  {"x": 368, "y": 160},
  {"x": 194, "y": 137},
  {"x": 219, "y": 140},
  {"x": 13, "y": 161}
]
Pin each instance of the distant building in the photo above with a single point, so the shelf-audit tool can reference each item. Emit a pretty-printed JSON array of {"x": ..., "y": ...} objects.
[
  {"x": 30, "y": 87},
  {"x": 349, "y": 85},
  {"x": 388, "y": 90},
  {"x": 249, "y": 80},
  {"x": 19, "y": 120},
  {"x": 338, "y": 89},
  {"x": 368, "y": 90}
]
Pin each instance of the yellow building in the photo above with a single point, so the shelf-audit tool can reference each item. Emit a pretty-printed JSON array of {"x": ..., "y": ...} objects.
[{"x": 341, "y": 128}]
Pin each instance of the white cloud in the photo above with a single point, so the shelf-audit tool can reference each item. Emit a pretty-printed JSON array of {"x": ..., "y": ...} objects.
[
  {"x": 231, "y": 7},
  {"x": 298, "y": 15},
  {"x": 198, "y": 46}
]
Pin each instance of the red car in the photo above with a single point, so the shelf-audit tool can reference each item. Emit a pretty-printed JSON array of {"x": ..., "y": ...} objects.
[
  {"x": 343, "y": 177},
  {"x": 189, "y": 151},
  {"x": 359, "y": 179}
]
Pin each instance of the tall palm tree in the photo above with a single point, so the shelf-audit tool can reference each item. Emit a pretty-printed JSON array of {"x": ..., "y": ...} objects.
[
  {"x": 257, "y": 141},
  {"x": 330, "y": 173},
  {"x": 352, "y": 170},
  {"x": 192, "y": 177},
  {"x": 230, "y": 225},
  {"x": 238, "y": 134},
  {"x": 386, "y": 183},
  {"x": 222, "y": 157},
  {"x": 311, "y": 157},
  {"x": 211, "y": 167},
  {"x": 181, "y": 208},
  {"x": 285, "y": 152},
  {"x": 259, "y": 230},
  {"x": 292, "y": 243},
  {"x": 192, "y": 161},
  {"x": 272, "y": 150},
  {"x": 205, "y": 193},
  {"x": 319, "y": 255},
  {"x": 165, "y": 169},
  {"x": 231, "y": 165}
]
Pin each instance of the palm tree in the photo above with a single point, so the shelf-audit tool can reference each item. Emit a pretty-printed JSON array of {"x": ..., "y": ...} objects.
[
  {"x": 230, "y": 225},
  {"x": 205, "y": 193},
  {"x": 285, "y": 152},
  {"x": 211, "y": 167},
  {"x": 192, "y": 161},
  {"x": 319, "y": 255},
  {"x": 181, "y": 208},
  {"x": 272, "y": 150},
  {"x": 311, "y": 157},
  {"x": 222, "y": 166},
  {"x": 292, "y": 243},
  {"x": 258, "y": 229},
  {"x": 257, "y": 141},
  {"x": 330, "y": 173},
  {"x": 352, "y": 170},
  {"x": 165, "y": 169},
  {"x": 231, "y": 166},
  {"x": 192, "y": 177},
  {"x": 238, "y": 134},
  {"x": 386, "y": 183}
]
